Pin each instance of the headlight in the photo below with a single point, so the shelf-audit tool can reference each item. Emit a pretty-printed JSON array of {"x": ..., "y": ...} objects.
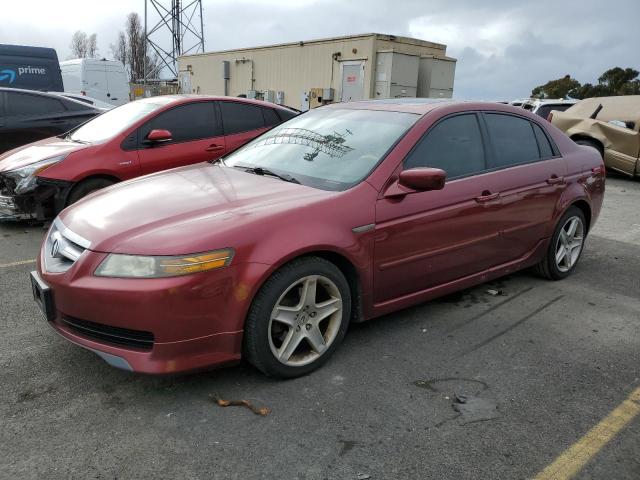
[
  {"x": 138, "y": 266},
  {"x": 25, "y": 177}
]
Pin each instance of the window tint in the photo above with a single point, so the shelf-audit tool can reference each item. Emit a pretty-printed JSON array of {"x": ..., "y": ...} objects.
[
  {"x": 25, "y": 104},
  {"x": 513, "y": 140},
  {"x": 240, "y": 117},
  {"x": 544, "y": 110},
  {"x": 75, "y": 106},
  {"x": 543, "y": 142},
  {"x": 270, "y": 117},
  {"x": 453, "y": 145},
  {"x": 287, "y": 114},
  {"x": 185, "y": 122}
]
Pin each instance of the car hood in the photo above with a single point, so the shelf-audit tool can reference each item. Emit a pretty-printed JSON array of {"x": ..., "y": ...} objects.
[
  {"x": 179, "y": 211},
  {"x": 36, "y": 151}
]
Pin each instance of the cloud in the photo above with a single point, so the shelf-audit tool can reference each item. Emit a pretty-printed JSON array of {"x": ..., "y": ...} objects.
[{"x": 504, "y": 47}]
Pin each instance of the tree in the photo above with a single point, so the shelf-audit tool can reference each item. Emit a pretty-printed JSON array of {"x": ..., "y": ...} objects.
[
  {"x": 83, "y": 46},
  {"x": 79, "y": 44},
  {"x": 559, "y": 88},
  {"x": 615, "y": 81},
  {"x": 92, "y": 46},
  {"x": 131, "y": 49}
]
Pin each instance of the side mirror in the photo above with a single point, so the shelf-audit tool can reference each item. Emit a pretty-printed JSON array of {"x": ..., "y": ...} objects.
[
  {"x": 416, "y": 179},
  {"x": 423, "y": 178},
  {"x": 159, "y": 136}
]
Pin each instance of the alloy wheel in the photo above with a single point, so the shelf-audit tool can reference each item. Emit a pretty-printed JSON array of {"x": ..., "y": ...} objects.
[
  {"x": 305, "y": 320},
  {"x": 569, "y": 244}
]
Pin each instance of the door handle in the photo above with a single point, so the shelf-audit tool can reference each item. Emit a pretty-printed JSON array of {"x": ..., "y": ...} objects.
[
  {"x": 487, "y": 196},
  {"x": 555, "y": 180},
  {"x": 214, "y": 148}
]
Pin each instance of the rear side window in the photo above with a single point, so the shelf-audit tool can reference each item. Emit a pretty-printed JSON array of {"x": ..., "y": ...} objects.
[
  {"x": 287, "y": 114},
  {"x": 240, "y": 117},
  {"x": 75, "y": 106},
  {"x": 185, "y": 122},
  {"x": 543, "y": 142},
  {"x": 545, "y": 110},
  {"x": 26, "y": 104},
  {"x": 513, "y": 140},
  {"x": 270, "y": 117},
  {"x": 453, "y": 145}
]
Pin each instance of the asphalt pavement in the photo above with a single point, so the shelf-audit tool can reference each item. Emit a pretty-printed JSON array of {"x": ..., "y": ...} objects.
[{"x": 493, "y": 382}]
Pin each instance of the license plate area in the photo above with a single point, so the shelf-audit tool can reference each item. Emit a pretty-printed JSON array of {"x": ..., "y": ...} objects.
[{"x": 43, "y": 296}]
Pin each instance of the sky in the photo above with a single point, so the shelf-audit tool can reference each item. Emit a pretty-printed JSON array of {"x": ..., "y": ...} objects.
[{"x": 504, "y": 47}]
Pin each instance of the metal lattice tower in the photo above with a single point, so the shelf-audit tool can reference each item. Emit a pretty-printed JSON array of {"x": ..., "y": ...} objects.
[{"x": 176, "y": 19}]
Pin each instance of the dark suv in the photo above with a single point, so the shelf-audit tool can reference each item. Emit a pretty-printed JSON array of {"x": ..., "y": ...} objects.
[{"x": 27, "y": 116}]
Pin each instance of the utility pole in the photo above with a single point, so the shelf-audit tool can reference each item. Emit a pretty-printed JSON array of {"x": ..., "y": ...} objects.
[{"x": 177, "y": 20}]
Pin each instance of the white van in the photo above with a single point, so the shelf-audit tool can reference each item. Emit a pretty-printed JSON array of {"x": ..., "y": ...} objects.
[{"x": 104, "y": 80}]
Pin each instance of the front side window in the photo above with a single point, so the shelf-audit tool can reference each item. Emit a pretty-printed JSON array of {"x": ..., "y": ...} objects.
[
  {"x": 112, "y": 122},
  {"x": 327, "y": 148},
  {"x": 26, "y": 104},
  {"x": 453, "y": 145},
  {"x": 513, "y": 140},
  {"x": 240, "y": 117},
  {"x": 192, "y": 121}
]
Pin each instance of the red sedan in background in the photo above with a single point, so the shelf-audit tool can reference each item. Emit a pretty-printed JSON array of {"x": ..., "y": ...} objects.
[
  {"x": 342, "y": 214},
  {"x": 40, "y": 179}
]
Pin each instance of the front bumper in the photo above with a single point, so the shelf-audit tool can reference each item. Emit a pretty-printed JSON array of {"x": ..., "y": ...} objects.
[
  {"x": 194, "y": 321},
  {"x": 48, "y": 198}
]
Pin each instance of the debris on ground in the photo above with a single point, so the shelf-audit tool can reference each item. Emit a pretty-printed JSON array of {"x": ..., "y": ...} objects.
[
  {"x": 363, "y": 476},
  {"x": 475, "y": 409},
  {"x": 262, "y": 411},
  {"x": 493, "y": 292}
]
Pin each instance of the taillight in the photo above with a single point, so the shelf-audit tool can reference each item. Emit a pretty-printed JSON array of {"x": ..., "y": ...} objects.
[
  {"x": 598, "y": 170},
  {"x": 550, "y": 116}
]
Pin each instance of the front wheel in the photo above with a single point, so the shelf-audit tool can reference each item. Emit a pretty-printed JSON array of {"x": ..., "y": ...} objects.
[
  {"x": 565, "y": 247},
  {"x": 86, "y": 187},
  {"x": 298, "y": 318}
]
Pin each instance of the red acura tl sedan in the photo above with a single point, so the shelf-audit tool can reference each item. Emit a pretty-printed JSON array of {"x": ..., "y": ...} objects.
[
  {"x": 40, "y": 179},
  {"x": 341, "y": 214}
]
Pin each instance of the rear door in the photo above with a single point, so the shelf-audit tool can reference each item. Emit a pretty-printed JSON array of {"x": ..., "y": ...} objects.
[
  {"x": 242, "y": 122},
  {"x": 529, "y": 179},
  {"x": 95, "y": 80},
  {"x": 196, "y": 137},
  {"x": 117, "y": 85}
]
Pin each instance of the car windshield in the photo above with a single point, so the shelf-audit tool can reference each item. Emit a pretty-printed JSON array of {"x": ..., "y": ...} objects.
[
  {"x": 112, "y": 122},
  {"x": 327, "y": 148}
]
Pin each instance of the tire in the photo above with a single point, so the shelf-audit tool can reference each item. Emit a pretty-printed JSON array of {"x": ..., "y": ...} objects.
[
  {"x": 591, "y": 143},
  {"x": 86, "y": 187},
  {"x": 283, "y": 322},
  {"x": 552, "y": 268}
]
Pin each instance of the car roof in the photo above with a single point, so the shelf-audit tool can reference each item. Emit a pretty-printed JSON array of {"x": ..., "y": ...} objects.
[
  {"x": 422, "y": 106},
  {"x": 187, "y": 97},
  {"x": 46, "y": 94}
]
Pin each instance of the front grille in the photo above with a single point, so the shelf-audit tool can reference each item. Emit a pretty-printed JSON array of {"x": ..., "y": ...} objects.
[
  {"x": 62, "y": 248},
  {"x": 109, "y": 334}
]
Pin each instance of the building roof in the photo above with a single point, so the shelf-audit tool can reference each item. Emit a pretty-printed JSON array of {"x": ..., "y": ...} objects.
[{"x": 379, "y": 36}]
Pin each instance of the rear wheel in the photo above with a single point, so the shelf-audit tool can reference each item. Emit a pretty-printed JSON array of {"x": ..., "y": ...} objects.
[
  {"x": 565, "y": 247},
  {"x": 86, "y": 187},
  {"x": 298, "y": 318}
]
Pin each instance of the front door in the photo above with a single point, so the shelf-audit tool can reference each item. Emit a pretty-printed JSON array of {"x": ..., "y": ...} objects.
[
  {"x": 196, "y": 137},
  {"x": 430, "y": 238}
]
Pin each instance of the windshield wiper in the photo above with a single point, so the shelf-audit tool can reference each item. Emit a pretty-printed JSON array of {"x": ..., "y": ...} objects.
[{"x": 264, "y": 171}]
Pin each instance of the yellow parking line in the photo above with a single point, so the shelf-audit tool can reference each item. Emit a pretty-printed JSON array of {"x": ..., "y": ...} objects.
[
  {"x": 580, "y": 453},
  {"x": 21, "y": 262}
]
